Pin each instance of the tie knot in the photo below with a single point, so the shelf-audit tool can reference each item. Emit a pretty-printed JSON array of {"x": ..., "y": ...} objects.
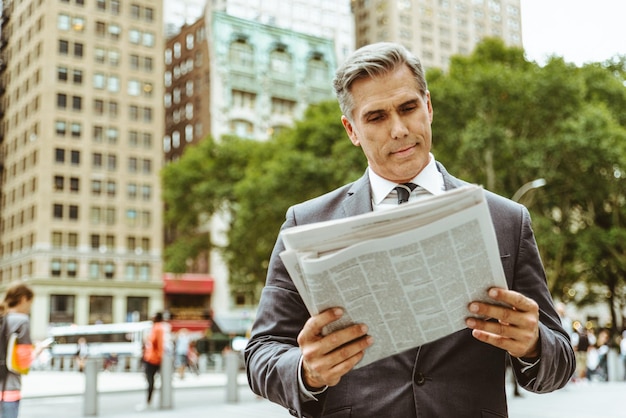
[{"x": 404, "y": 191}]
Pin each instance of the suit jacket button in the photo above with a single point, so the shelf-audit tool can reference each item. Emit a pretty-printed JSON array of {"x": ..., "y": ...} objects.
[{"x": 420, "y": 379}]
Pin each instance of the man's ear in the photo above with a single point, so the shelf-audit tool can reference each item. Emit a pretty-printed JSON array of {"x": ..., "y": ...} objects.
[{"x": 347, "y": 125}]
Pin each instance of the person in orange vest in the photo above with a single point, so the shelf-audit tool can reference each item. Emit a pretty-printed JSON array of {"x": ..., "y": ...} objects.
[{"x": 154, "y": 347}]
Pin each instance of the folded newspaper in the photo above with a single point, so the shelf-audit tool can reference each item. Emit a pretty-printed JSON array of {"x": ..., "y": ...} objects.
[{"x": 408, "y": 273}]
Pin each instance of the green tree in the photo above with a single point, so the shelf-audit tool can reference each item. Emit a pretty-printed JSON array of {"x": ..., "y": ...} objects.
[{"x": 499, "y": 120}]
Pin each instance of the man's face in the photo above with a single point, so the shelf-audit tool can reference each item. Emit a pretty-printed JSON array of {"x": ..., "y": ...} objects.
[{"x": 392, "y": 124}]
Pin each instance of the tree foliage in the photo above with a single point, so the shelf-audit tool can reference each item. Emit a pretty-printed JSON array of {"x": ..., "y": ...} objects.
[{"x": 499, "y": 120}]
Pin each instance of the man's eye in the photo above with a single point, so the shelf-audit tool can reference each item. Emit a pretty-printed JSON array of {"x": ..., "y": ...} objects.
[{"x": 407, "y": 109}]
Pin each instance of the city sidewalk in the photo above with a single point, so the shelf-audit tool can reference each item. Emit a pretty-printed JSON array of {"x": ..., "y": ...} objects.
[
  {"x": 49, "y": 394},
  {"x": 39, "y": 384}
]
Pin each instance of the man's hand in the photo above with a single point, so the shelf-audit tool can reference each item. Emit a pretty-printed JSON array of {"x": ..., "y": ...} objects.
[
  {"x": 325, "y": 359},
  {"x": 517, "y": 327}
]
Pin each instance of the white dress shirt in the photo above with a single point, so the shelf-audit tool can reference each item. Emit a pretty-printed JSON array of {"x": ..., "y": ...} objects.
[{"x": 429, "y": 182}]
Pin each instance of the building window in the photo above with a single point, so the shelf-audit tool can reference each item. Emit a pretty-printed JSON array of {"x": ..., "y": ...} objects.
[
  {"x": 71, "y": 268},
  {"x": 59, "y": 155},
  {"x": 98, "y": 107},
  {"x": 134, "y": 11},
  {"x": 96, "y": 218},
  {"x": 61, "y": 101},
  {"x": 77, "y": 76},
  {"x": 131, "y": 244},
  {"x": 99, "y": 81},
  {"x": 64, "y": 47},
  {"x": 100, "y": 55},
  {"x": 55, "y": 268},
  {"x": 60, "y": 127},
  {"x": 146, "y": 166},
  {"x": 131, "y": 217},
  {"x": 241, "y": 55},
  {"x": 57, "y": 211},
  {"x": 136, "y": 308},
  {"x": 74, "y": 184},
  {"x": 62, "y": 309},
  {"x": 57, "y": 240},
  {"x": 96, "y": 187},
  {"x": 111, "y": 188},
  {"x": 72, "y": 240},
  {"x": 111, "y": 162},
  {"x": 130, "y": 271},
  {"x": 317, "y": 71},
  {"x": 114, "y": 31},
  {"x": 97, "y": 160},
  {"x": 109, "y": 270},
  {"x": 62, "y": 73},
  {"x": 131, "y": 191},
  {"x": 144, "y": 272},
  {"x": 100, "y": 309},
  {"x": 146, "y": 192},
  {"x": 280, "y": 63},
  {"x": 94, "y": 270},
  {"x": 58, "y": 183},
  {"x": 77, "y": 103},
  {"x": 63, "y": 22},
  {"x": 75, "y": 157},
  {"x": 76, "y": 130},
  {"x": 78, "y": 49},
  {"x": 73, "y": 212},
  {"x": 110, "y": 216}
]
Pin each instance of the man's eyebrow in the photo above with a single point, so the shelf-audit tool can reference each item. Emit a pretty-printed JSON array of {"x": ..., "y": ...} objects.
[
  {"x": 366, "y": 115},
  {"x": 410, "y": 102}
]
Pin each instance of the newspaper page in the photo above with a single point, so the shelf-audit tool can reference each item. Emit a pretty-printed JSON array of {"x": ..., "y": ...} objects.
[{"x": 410, "y": 287}]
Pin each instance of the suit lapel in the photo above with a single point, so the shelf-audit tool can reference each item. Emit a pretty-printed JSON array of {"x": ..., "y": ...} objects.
[{"x": 359, "y": 197}]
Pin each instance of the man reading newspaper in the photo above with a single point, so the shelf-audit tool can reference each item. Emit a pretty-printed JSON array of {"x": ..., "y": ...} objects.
[{"x": 290, "y": 360}]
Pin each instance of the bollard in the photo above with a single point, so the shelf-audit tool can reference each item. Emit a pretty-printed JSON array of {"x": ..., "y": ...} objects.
[
  {"x": 91, "y": 387},
  {"x": 167, "y": 370},
  {"x": 232, "y": 370}
]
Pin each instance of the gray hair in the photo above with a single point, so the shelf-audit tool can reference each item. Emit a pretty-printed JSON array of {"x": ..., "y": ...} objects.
[{"x": 372, "y": 61}]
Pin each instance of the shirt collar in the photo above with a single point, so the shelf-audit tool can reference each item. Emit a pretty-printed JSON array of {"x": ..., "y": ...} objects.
[{"x": 429, "y": 179}]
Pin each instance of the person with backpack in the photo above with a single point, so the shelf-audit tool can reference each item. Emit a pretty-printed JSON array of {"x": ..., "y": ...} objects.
[{"x": 16, "y": 349}]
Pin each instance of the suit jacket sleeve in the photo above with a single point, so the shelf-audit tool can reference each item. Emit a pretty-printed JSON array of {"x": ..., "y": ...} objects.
[
  {"x": 272, "y": 356},
  {"x": 525, "y": 274}
]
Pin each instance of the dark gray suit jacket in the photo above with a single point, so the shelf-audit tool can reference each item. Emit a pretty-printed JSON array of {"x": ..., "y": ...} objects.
[{"x": 456, "y": 376}]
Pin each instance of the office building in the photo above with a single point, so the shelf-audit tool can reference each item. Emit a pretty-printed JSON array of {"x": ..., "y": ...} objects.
[
  {"x": 226, "y": 75},
  {"x": 81, "y": 127},
  {"x": 435, "y": 30}
]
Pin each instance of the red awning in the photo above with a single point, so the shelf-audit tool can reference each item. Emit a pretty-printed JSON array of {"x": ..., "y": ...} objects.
[
  {"x": 193, "y": 325},
  {"x": 191, "y": 284}
]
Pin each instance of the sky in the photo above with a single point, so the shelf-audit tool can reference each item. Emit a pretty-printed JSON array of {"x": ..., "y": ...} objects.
[{"x": 579, "y": 30}]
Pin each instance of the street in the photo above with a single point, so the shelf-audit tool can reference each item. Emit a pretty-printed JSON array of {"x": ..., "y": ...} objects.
[{"x": 60, "y": 395}]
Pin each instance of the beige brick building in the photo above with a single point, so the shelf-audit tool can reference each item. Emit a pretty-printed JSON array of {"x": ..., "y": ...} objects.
[
  {"x": 435, "y": 30},
  {"x": 81, "y": 125}
]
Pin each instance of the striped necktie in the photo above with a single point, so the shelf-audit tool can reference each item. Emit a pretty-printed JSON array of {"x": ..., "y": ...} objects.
[{"x": 404, "y": 191}]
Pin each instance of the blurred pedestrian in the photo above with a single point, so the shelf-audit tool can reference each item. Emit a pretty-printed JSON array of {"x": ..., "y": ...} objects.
[
  {"x": 82, "y": 351},
  {"x": 20, "y": 351},
  {"x": 622, "y": 352},
  {"x": 597, "y": 358},
  {"x": 152, "y": 356},
  {"x": 580, "y": 342},
  {"x": 193, "y": 358},
  {"x": 181, "y": 351}
]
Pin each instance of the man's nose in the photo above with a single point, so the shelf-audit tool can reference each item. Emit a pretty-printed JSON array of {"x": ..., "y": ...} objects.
[{"x": 399, "y": 129}]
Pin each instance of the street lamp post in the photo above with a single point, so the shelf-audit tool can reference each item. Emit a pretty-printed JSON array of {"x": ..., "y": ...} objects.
[{"x": 535, "y": 184}]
